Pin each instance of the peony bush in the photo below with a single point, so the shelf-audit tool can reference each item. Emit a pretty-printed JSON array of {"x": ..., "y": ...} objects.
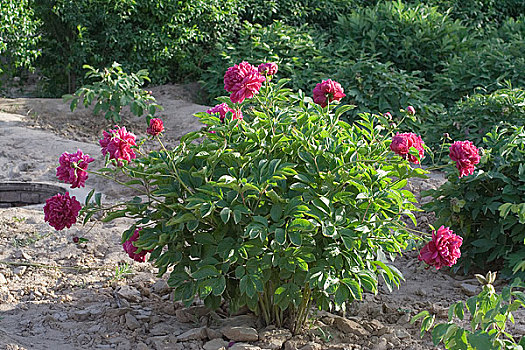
[{"x": 276, "y": 204}]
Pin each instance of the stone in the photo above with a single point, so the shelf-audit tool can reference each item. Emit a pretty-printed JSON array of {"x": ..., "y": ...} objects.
[
  {"x": 129, "y": 293},
  {"x": 162, "y": 343},
  {"x": 131, "y": 322},
  {"x": 348, "y": 326},
  {"x": 382, "y": 344},
  {"x": 469, "y": 289},
  {"x": 164, "y": 328},
  {"x": 193, "y": 334},
  {"x": 3, "y": 280},
  {"x": 244, "y": 346},
  {"x": 213, "y": 333},
  {"x": 216, "y": 344},
  {"x": 191, "y": 314},
  {"x": 80, "y": 315},
  {"x": 401, "y": 333},
  {"x": 240, "y": 333},
  {"x": 246, "y": 320},
  {"x": 160, "y": 287},
  {"x": 273, "y": 339},
  {"x": 311, "y": 346},
  {"x": 142, "y": 346}
]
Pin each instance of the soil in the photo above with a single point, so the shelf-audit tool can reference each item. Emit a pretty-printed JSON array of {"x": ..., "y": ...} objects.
[{"x": 56, "y": 294}]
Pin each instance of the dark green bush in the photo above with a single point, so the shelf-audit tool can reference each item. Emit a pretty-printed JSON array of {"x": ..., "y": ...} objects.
[
  {"x": 492, "y": 62},
  {"x": 18, "y": 36},
  {"x": 413, "y": 37},
  {"x": 293, "y": 12},
  {"x": 488, "y": 208},
  {"x": 297, "y": 50},
  {"x": 375, "y": 86},
  {"x": 168, "y": 37}
]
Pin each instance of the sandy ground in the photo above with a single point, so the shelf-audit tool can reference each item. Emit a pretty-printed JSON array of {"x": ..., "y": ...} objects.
[{"x": 55, "y": 294}]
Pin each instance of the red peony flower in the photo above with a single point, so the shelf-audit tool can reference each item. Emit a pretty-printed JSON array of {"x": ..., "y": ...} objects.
[
  {"x": 131, "y": 249},
  {"x": 222, "y": 109},
  {"x": 156, "y": 126},
  {"x": 466, "y": 155},
  {"x": 243, "y": 81},
  {"x": 401, "y": 144},
  {"x": 72, "y": 169},
  {"x": 411, "y": 110},
  {"x": 61, "y": 211},
  {"x": 328, "y": 91},
  {"x": 117, "y": 143},
  {"x": 268, "y": 68},
  {"x": 443, "y": 249}
]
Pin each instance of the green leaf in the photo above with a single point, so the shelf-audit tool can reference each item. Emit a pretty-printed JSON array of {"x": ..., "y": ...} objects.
[
  {"x": 480, "y": 341},
  {"x": 295, "y": 237},
  {"x": 280, "y": 235},
  {"x": 439, "y": 332},
  {"x": 276, "y": 212},
  {"x": 218, "y": 285},
  {"x": 342, "y": 294},
  {"x": 205, "y": 272},
  {"x": 225, "y": 214}
]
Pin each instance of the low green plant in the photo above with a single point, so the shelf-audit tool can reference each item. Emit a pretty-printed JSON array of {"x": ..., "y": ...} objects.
[
  {"x": 487, "y": 208},
  {"x": 122, "y": 270},
  {"x": 114, "y": 89},
  {"x": 287, "y": 206},
  {"x": 489, "y": 314}
]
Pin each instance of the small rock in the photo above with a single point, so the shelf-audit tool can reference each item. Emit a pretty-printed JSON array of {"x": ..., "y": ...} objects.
[
  {"x": 129, "y": 293},
  {"x": 160, "y": 287},
  {"x": 404, "y": 319},
  {"x": 401, "y": 333},
  {"x": 213, "y": 333},
  {"x": 244, "y": 346},
  {"x": 80, "y": 315},
  {"x": 131, "y": 321},
  {"x": 240, "y": 333},
  {"x": 3, "y": 280},
  {"x": 142, "y": 346},
  {"x": 19, "y": 270},
  {"x": 193, "y": 334},
  {"x": 216, "y": 344},
  {"x": 469, "y": 289},
  {"x": 382, "y": 344},
  {"x": 247, "y": 320},
  {"x": 312, "y": 346},
  {"x": 348, "y": 326},
  {"x": 191, "y": 314},
  {"x": 274, "y": 339}
]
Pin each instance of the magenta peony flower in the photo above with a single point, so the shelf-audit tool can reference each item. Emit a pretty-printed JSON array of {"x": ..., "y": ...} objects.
[
  {"x": 401, "y": 144},
  {"x": 243, "y": 81},
  {"x": 131, "y": 249},
  {"x": 72, "y": 169},
  {"x": 328, "y": 91},
  {"x": 61, "y": 211},
  {"x": 222, "y": 109},
  {"x": 443, "y": 249},
  {"x": 388, "y": 115},
  {"x": 268, "y": 68},
  {"x": 117, "y": 143},
  {"x": 466, "y": 155},
  {"x": 156, "y": 126},
  {"x": 411, "y": 110}
]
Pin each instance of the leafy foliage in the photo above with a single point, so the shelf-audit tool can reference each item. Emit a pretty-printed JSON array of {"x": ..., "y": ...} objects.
[
  {"x": 19, "y": 36},
  {"x": 487, "y": 209},
  {"x": 114, "y": 90},
  {"x": 297, "y": 50},
  {"x": 286, "y": 206},
  {"x": 169, "y": 36},
  {"x": 489, "y": 314},
  {"x": 414, "y": 38}
]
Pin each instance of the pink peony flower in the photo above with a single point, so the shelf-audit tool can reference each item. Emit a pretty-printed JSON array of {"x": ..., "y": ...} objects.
[
  {"x": 411, "y": 110},
  {"x": 131, "y": 249},
  {"x": 61, "y": 211},
  {"x": 156, "y": 126},
  {"x": 388, "y": 115},
  {"x": 466, "y": 155},
  {"x": 222, "y": 109},
  {"x": 72, "y": 169},
  {"x": 117, "y": 143},
  {"x": 243, "y": 81},
  {"x": 328, "y": 91},
  {"x": 401, "y": 144},
  {"x": 443, "y": 249},
  {"x": 268, "y": 68}
]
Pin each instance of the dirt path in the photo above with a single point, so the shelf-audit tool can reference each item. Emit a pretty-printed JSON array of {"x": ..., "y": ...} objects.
[{"x": 55, "y": 294}]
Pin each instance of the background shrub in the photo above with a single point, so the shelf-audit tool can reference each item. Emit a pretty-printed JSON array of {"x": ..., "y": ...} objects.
[
  {"x": 297, "y": 50},
  {"x": 488, "y": 208},
  {"x": 414, "y": 38},
  {"x": 19, "y": 36},
  {"x": 168, "y": 37}
]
